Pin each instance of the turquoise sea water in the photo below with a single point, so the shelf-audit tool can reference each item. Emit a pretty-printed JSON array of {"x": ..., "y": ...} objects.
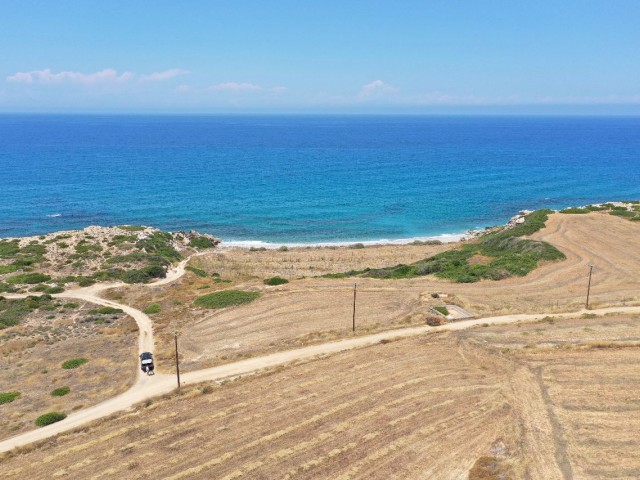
[{"x": 306, "y": 179}]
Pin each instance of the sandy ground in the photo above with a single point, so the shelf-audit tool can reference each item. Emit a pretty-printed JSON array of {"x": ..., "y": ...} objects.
[
  {"x": 313, "y": 310},
  {"x": 552, "y": 400}
]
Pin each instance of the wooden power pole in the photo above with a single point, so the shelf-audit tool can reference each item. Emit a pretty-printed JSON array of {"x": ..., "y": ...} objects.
[
  {"x": 175, "y": 336},
  {"x": 589, "y": 285},
  {"x": 353, "y": 327}
]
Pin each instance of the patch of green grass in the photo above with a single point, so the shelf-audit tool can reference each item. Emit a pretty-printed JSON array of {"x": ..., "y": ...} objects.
[
  {"x": 9, "y": 248},
  {"x": 4, "y": 288},
  {"x": 275, "y": 281},
  {"x": 443, "y": 310},
  {"x": 28, "y": 278},
  {"x": 71, "y": 305},
  {"x": 74, "y": 363},
  {"x": 575, "y": 210},
  {"x": 153, "y": 308},
  {"x": 13, "y": 311},
  {"x": 624, "y": 213},
  {"x": 198, "y": 271},
  {"x": 8, "y": 268},
  {"x": 106, "y": 311},
  {"x": 8, "y": 397},
  {"x": 49, "y": 418},
  {"x": 225, "y": 298},
  {"x": 60, "y": 392},
  {"x": 357, "y": 246}
]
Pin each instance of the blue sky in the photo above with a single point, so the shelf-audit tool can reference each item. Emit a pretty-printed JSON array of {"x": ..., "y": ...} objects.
[{"x": 354, "y": 56}]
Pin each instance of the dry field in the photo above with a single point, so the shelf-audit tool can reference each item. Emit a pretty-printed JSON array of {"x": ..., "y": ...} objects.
[
  {"x": 556, "y": 399},
  {"x": 312, "y": 310},
  {"x": 31, "y": 355}
]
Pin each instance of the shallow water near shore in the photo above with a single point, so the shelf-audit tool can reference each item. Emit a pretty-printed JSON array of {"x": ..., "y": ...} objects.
[{"x": 307, "y": 179}]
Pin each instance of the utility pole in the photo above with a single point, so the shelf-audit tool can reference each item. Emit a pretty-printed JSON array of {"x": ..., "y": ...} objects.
[
  {"x": 175, "y": 336},
  {"x": 591, "y": 265},
  {"x": 355, "y": 286}
]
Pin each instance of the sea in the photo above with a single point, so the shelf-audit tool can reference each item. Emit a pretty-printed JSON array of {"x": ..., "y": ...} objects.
[{"x": 307, "y": 179}]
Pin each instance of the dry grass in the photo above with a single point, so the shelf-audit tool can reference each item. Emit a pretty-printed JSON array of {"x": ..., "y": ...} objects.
[
  {"x": 475, "y": 404},
  {"x": 32, "y": 354}
]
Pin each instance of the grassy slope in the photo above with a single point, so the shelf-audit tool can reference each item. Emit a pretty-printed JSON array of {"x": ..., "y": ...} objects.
[{"x": 508, "y": 255}]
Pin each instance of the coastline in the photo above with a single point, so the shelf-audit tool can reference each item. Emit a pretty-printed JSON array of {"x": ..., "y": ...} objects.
[{"x": 248, "y": 244}]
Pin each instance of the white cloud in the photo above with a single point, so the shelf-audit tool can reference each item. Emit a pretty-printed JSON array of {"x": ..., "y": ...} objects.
[
  {"x": 375, "y": 89},
  {"x": 46, "y": 76},
  {"x": 165, "y": 75},
  {"x": 106, "y": 76},
  {"x": 235, "y": 87}
]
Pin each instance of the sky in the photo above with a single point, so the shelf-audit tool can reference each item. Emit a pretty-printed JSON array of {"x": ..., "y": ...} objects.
[{"x": 328, "y": 56}]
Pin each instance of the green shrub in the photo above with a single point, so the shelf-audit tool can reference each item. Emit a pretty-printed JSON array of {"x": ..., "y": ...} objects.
[
  {"x": 13, "y": 311},
  {"x": 8, "y": 397},
  {"x": 8, "y": 248},
  {"x": 71, "y": 305},
  {"x": 4, "y": 288},
  {"x": 276, "y": 281},
  {"x": 8, "y": 269},
  {"x": 52, "y": 290},
  {"x": 151, "y": 309},
  {"x": 198, "y": 271},
  {"x": 49, "y": 418},
  {"x": 28, "y": 278},
  {"x": 106, "y": 311},
  {"x": 620, "y": 213},
  {"x": 225, "y": 298},
  {"x": 357, "y": 246},
  {"x": 60, "y": 392},
  {"x": 575, "y": 210},
  {"x": 159, "y": 243},
  {"x": 135, "y": 276},
  {"x": 74, "y": 363},
  {"x": 201, "y": 242}
]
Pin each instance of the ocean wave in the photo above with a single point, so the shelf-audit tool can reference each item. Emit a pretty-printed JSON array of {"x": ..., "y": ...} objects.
[
  {"x": 248, "y": 244},
  {"x": 54, "y": 215}
]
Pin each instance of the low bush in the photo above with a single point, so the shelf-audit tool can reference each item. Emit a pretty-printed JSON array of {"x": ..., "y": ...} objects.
[
  {"x": 74, "y": 363},
  {"x": 28, "y": 278},
  {"x": 8, "y": 269},
  {"x": 151, "y": 309},
  {"x": 60, "y": 392},
  {"x": 106, "y": 311},
  {"x": 357, "y": 246},
  {"x": 49, "y": 418},
  {"x": 8, "y": 397},
  {"x": 201, "y": 242},
  {"x": 8, "y": 248},
  {"x": 276, "y": 281},
  {"x": 225, "y": 298},
  {"x": 575, "y": 210},
  {"x": 198, "y": 271},
  {"x": 52, "y": 290}
]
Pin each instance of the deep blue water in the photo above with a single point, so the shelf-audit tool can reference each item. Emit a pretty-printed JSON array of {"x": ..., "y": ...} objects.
[{"x": 306, "y": 178}]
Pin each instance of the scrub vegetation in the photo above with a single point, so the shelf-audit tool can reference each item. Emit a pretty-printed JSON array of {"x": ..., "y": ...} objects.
[
  {"x": 497, "y": 255},
  {"x": 225, "y": 298}
]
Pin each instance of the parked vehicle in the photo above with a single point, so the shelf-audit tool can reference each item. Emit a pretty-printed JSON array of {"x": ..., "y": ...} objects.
[{"x": 146, "y": 363}]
